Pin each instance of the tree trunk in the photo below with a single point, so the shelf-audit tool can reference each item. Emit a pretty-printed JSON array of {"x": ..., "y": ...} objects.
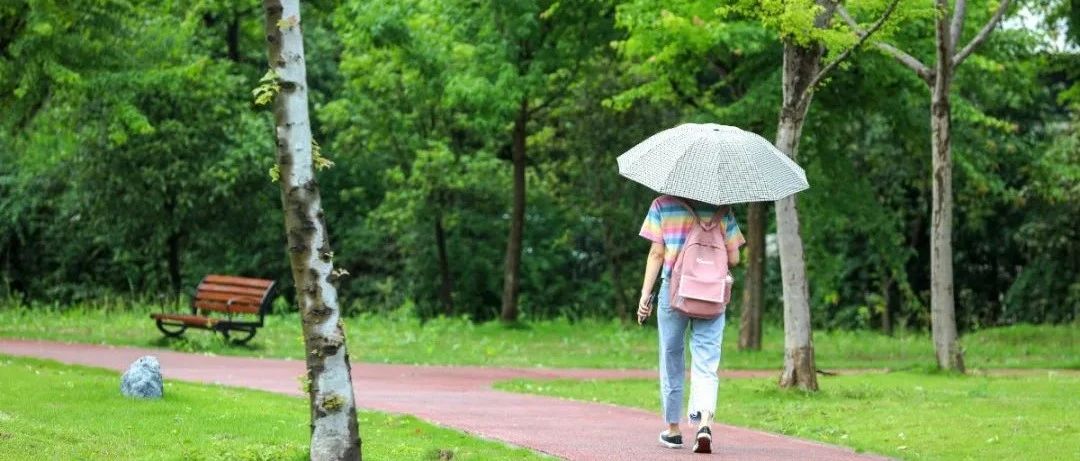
[
  {"x": 334, "y": 430},
  {"x": 446, "y": 285},
  {"x": 175, "y": 280},
  {"x": 754, "y": 282},
  {"x": 942, "y": 308},
  {"x": 886, "y": 305},
  {"x": 232, "y": 38},
  {"x": 172, "y": 246},
  {"x": 801, "y": 64},
  {"x": 799, "y": 368},
  {"x": 611, "y": 250},
  {"x": 512, "y": 276}
]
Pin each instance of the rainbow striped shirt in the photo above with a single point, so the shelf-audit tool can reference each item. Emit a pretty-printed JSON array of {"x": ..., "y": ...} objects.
[{"x": 669, "y": 223}]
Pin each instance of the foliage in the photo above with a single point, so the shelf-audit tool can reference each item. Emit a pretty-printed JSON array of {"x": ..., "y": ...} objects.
[
  {"x": 46, "y": 402},
  {"x": 133, "y": 159},
  {"x": 902, "y": 415}
]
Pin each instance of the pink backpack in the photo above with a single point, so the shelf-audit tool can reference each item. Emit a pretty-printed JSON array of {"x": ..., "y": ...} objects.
[{"x": 700, "y": 281}]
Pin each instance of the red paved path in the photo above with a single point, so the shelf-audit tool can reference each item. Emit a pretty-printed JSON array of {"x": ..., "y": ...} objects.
[{"x": 462, "y": 398}]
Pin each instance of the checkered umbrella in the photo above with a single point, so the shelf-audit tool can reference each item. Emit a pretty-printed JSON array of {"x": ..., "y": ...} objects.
[{"x": 716, "y": 164}]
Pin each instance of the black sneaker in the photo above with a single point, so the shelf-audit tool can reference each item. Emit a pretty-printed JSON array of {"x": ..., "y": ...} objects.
[
  {"x": 670, "y": 441},
  {"x": 703, "y": 444}
]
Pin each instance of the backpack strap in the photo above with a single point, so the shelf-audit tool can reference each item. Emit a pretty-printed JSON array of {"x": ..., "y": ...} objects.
[{"x": 707, "y": 226}]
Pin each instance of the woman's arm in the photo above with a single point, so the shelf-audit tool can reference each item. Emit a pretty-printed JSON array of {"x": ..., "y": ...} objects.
[
  {"x": 733, "y": 257},
  {"x": 652, "y": 267}
]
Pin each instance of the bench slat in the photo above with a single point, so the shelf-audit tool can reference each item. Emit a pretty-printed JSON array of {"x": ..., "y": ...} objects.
[
  {"x": 191, "y": 320},
  {"x": 220, "y": 306},
  {"x": 239, "y": 281},
  {"x": 225, "y": 297},
  {"x": 234, "y": 289}
]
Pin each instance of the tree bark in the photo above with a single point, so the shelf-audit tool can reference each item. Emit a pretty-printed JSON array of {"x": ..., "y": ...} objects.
[
  {"x": 334, "y": 430},
  {"x": 175, "y": 280},
  {"x": 512, "y": 269},
  {"x": 754, "y": 283},
  {"x": 800, "y": 72},
  {"x": 799, "y": 369},
  {"x": 446, "y": 285},
  {"x": 942, "y": 308},
  {"x": 612, "y": 252},
  {"x": 232, "y": 38},
  {"x": 886, "y": 305}
]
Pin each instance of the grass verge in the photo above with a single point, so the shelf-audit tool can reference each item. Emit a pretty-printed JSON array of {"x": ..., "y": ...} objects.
[
  {"x": 906, "y": 415},
  {"x": 54, "y": 411},
  {"x": 398, "y": 338}
]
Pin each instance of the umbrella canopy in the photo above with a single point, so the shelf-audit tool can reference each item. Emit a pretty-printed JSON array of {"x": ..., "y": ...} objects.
[{"x": 716, "y": 164}]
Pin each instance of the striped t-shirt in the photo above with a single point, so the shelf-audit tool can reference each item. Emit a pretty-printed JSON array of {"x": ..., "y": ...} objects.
[{"x": 669, "y": 223}]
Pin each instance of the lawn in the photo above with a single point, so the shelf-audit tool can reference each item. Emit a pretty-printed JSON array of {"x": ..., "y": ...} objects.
[
  {"x": 53, "y": 411},
  {"x": 397, "y": 338},
  {"x": 904, "y": 414}
]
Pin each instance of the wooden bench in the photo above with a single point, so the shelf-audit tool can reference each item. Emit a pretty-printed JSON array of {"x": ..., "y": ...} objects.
[{"x": 243, "y": 301}]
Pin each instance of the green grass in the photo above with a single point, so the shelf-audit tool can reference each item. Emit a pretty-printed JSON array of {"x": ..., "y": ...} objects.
[
  {"x": 905, "y": 415},
  {"x": 53, "y": 411},
  {"x": 397, "y": 338}
]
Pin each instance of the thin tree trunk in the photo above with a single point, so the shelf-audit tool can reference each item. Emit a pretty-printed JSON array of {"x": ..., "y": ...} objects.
[
  {"x": 942, "y": 308},
  {"x": 512, "y": 274},
  {"x": 232, "y": 38},
  {"x": 334, "y": 430},
  {"x": 801, "y": 64},
  {"x": 754, "y": 284},
  {"x": 611, "y": 250},
  {"x": 886, "y": 309},
  {"x": 175, "y": 280},
  {"x": 446, "y": 285}
]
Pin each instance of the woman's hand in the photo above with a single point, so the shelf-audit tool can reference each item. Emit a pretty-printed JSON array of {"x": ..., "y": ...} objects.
[{"x": 644, "y": 307}]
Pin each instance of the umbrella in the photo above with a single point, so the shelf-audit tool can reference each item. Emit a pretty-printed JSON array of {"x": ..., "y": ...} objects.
[{"x": 712, "y": 163}]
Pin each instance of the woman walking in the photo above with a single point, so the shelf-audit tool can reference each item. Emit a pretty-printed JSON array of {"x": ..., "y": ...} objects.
[
  {"x": 694, "y": 241},
  {"x": 668, "y": 224}
]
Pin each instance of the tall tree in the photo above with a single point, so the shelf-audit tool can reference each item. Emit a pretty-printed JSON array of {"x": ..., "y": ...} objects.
[
  {"x": 949, "y": 28},
  {"x": 533, "y": 53},
  {"x": 335, "y": 433},
  {"x": 802, "y": 72}
]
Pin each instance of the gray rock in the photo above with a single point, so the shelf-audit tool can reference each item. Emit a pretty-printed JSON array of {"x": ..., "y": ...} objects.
[{"x": 143, "y": 379}]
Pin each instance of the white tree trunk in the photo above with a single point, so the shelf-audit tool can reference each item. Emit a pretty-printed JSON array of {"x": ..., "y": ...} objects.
[
  {"x": 942, "y": 308},
  {"x": 334, "y": 430},
  {"x": 800, "y": 66},
  {"x": 799, "y": 368}
]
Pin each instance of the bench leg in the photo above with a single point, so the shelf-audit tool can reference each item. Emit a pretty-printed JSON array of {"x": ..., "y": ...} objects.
[
  {"x": 242, "y": 339},
  {"x": 172, "y": 331}
]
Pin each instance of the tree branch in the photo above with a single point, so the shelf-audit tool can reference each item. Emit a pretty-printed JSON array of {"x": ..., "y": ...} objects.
[
  {"x": 913, "y": 63},
  {"x": 983, "y": 34},
  {"x": 862, "y": 39},
  {"x": 557, "y": 94},
  {"x": 956, "y": 29}
]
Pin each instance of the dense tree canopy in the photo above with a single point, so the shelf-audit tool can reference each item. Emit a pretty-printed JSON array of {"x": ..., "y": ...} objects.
[{"x": 133, "y": 160}]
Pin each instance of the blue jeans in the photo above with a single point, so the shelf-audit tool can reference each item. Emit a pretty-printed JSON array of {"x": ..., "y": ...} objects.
[{"x": 705, "y": 339}]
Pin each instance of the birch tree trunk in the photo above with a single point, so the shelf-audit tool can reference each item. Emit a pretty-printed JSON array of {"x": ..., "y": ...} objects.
[
  {"x": 942, "y": 300},
  {"x": 801, "y": 72},
  {"x": 754, "y": 284},
  {"x": 334, "y": 430},
  {"x": 799, "y": 368},
  {"x": 512, "y": 269},
  {"x": 949, "y": 27}
]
